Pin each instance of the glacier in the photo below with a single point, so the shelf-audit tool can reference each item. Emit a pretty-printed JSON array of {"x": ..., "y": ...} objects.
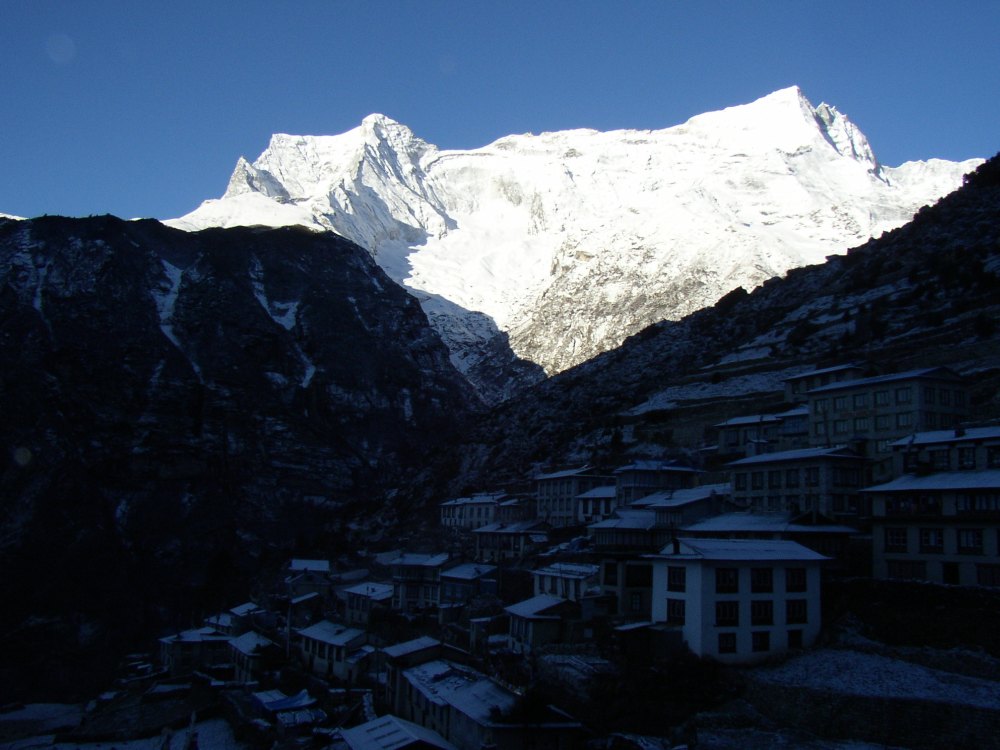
[{"x": 568, "y": 242}]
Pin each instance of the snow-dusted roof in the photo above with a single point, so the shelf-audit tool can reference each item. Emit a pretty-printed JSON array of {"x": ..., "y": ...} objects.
[
  {"x": 249, "y": 643},
  {"x": 824, "y": 371},
  {"x": 654, "y": 466},
  {"x": 750, "y": 419},
  {"x": 410, "y": 647},
  {"x": 984, "y": 479},
  {"x": 607, "y": 491},
  {"x": 678, "y": 498},
  {"x": 222, "y": 620},
  {"x": 330, "y": 632},
  {"x": 778, "y": 522},
  {"x": 316, "y": 566},
  {"x": 738, "y": 550},
  {"x": 243, "y": 610},
  {"x": 275, "y": 700},
  {"x": 534, "y": 607},
  {"x": 196, "y": 635},
  {"x": 942, "y": 373},
  {"x": 304, "y": 598},
  {"x": 376, "y": 591},
  {"x": 798, "y": 411},
  {"x": 627, "y": 519},
  {"x": 470, "y": 692},
  {"x": 468, "y": 571},
  {"x": 426, "y": 561},
  {"x": 565, "y": 473},
  {"x": 568, "y": 570},
  {"x": 799, "y": 454},
  {"x": 484, "y": 498},
  {"x": 941, "y": 437},
  {"x": 390, "y": 732},
  {"x": 516, "y": 527}
]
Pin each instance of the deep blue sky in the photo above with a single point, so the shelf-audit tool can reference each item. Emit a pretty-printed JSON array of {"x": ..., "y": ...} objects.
[{"x": 141, "y": 108}]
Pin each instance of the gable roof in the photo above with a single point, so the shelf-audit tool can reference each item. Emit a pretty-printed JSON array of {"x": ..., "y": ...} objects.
[
  {"x": 678, "y": 498},
  {"x": 410, "y": 647}
]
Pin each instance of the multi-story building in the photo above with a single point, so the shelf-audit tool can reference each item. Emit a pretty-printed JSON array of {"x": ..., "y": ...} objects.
[
  {"x": 873, "y": 412},
  {"x": 416, "y": 581},
  {"x": 797, "y": 386},
  {"x": 500, "y": 541},
  {"x": 820, "y": 481},
  {"x": 641, "y": 478},
  {"x": 362, "y": 599},
  {"x": 471, "y": 711},
  {"x": 471, "y": 512},
  {"x": 596, "y": 504},
  {"x": 332, "y": 650},
  {"x": 739, "y": 600},
  {"x": 568, "y": 580},
  {"x": 941, "y": 521},
  {"x": 556, "y": 492},
  {"x": 763, "y": 433}
]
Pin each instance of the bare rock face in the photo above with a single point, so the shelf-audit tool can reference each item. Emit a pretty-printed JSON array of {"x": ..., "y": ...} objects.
[{"x": 176, "y": 405}]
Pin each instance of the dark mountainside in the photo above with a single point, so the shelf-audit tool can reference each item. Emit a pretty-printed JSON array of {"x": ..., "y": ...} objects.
[
  {"x": 145, "y": 484},
  {"x": 925, "y": 294}
]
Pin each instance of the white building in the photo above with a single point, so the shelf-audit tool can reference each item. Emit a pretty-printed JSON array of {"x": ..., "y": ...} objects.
[
  {"x": 739, "y": 600},
  {"x": 471, "y": 512},
  {"x": 566, "y": 580}
]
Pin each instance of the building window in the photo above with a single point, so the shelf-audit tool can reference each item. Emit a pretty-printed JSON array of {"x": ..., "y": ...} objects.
[
  {"x": 929, "y": 395},
  {"x": 635, "y": 602},
  {"x": 757, "y": 480},
  {"x": 774, "y": 479},
  {"x": 812, "y": 476},
  {"x": 840, "y": 403},
  {"x": 761, "y": 580},
  {"x": 881, "y": 398},
  {"x": 860, "y": 400},
  {"x": 883, "y": 422},
  {"x": 794, "y": 639},
  {"x": 727, "y": 581},
  {"x": 988, "y": 575},
  {"x": 795, "y": 580},
  {"x": 791, "y": 478},
  {"x": 610, "y": 574},
  {"x": 907, "y": 569},
  {"x": 931, "y": 540},
  {"x": 839, "y": 426},
  {"x": 903, "y": 395},
  {"x": 727, "y": 614},
  {"x": 676, "y": 578},
  {"x": 762, "y": 612},
  {"x": 993, "y": 457},
  {"x": 675, "y": 611},
  {"x": 727, "y": 643},
  {"x": 741, "y": 480},
  {"x": 861, "y": 424},
  {"x": 904, "y": 419},
  {"x": 967, "y": 458},
  {"x": 970, "y": 541},
  {"x": 796, "y": 611},
  {"x": 760, "y": 641},
  {"x": 895, "y": 539}
]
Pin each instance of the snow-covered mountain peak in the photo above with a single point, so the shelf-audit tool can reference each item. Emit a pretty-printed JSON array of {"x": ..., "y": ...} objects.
[{"x": 571, "y": 240}]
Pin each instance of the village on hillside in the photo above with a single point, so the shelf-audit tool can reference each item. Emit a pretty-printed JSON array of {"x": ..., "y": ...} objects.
[{"x": 861, "y": 474}]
